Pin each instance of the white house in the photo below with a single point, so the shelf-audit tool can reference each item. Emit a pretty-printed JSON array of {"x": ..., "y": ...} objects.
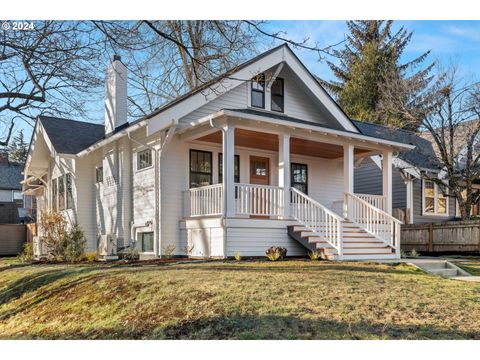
[{"x": 259, "y": 157}]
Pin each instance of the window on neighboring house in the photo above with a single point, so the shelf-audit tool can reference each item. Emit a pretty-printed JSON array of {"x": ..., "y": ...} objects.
[
  {"x": 68, "y": 181},
  {"x": 144, "y": 159},
  {"x": 277, "y": 95},
  {"x": 200, "y": 168},
  {"x": 435, "y": 201},
  {"x": 54, "y": 195},
  {"x": 258, "y": 91},
  {"x": 299, "y": 177},
  {"x": 61, "y": 193},
  {"x": 236, "y": 171},
  {"x": 99, "y": 174},
  {"x": 146, "y": 239}
]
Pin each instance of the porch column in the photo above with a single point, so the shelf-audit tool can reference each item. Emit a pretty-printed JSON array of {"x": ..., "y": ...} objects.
[
  {"x": 387, "y": 180},
  {"x": 284, "y": 171},
  {"x": 229, "y": 170},
  {"x": 348, "y": 158}
]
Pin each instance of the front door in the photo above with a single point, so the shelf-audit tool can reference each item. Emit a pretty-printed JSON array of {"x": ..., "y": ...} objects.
[
  {"x": 260, "y": 175},
  {"x": 259, "y": 170}
]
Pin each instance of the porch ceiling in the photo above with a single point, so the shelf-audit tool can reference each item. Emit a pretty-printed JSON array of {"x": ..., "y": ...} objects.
[{"x": 267, "y": 141}]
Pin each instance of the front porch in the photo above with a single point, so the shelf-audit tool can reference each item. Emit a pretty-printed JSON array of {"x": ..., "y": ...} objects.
[{"x": 294, "y": 177}]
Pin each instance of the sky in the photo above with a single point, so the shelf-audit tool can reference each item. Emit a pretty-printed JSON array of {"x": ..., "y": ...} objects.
[{"x": 457, "y": 41}]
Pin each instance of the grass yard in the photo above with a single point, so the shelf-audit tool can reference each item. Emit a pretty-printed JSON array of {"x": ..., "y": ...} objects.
[
  {"x": 227, "y": 300},
  {"x": 469, "y": 264}
]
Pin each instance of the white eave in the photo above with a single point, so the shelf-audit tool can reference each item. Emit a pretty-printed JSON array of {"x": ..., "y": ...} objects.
[{"x": 318, "y": 129}]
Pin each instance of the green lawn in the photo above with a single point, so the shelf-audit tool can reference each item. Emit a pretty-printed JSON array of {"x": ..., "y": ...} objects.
[
  {"x": 247, "y": 300},
  {"x": 469, "y": 264}
]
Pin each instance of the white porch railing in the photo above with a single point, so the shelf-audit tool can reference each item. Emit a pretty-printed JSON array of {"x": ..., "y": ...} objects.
[
  {"x": 317, "y": 218},
  {"x": 202, "y": 201},
  {"x": 379, "y": 201},
  {"x": 258, "y": 200},
  {"x": 375, "y": 221}
]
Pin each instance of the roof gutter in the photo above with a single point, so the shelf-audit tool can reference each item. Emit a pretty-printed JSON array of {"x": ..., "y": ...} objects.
[{"x": 114, "y": 137}]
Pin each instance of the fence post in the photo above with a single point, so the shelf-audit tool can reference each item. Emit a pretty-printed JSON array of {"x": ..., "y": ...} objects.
[{"x": 430, "y": 237}]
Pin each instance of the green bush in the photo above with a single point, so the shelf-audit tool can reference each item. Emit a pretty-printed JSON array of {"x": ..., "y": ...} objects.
[
  {"x": 316, "y": 254},
  {"x": 74, "y": 244},
  {"x": 27, "y": 253},
  {"x": 131, "y": 254},
  {"x": 275, "y": 253},
  {"x": 414, "y": 253}
]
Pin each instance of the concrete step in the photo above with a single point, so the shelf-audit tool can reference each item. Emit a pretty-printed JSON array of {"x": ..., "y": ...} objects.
[
  {"x": 444, "y": 272},
  {"x": 366, "y": 250},
  {"x": 432, "y": 265},
  {"x": 370, "y": 256},
  {"x": 363, "y": 244}
]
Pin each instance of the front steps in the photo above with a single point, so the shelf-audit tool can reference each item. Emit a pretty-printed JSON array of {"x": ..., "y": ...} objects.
[{"x": 357, "y": 243}]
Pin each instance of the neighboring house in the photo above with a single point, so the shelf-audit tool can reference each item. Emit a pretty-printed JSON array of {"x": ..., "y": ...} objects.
[
  {"x": 415, "y": 198},
  {"x": 14, "y": 206},
  {"x": 256, "y": 158}
]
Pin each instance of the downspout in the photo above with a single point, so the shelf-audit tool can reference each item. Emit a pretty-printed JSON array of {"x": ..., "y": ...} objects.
[
  {"x": 157, "y": 192},
  {"x": 223, "y": 218}
]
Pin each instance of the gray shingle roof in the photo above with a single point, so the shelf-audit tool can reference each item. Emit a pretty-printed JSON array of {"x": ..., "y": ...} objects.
[
  {"x": 10, "y": 176},
  {"x": 71, "y": 136},
  {"x": 423, "y": 156}
]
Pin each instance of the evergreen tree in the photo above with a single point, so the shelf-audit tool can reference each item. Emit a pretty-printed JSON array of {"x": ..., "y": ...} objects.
[
  {"x": 18, "y": 149},
  {"x": 369, "y": 60}
]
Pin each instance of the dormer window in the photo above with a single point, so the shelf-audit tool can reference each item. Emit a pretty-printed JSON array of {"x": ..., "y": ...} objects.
[
  {"x": 258, "y": 91},
  {"x": 277, "y": 95}
]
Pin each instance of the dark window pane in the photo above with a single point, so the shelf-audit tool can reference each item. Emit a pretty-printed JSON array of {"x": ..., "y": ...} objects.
[
  {"x": 258, "y": 99},
  {"x": 69, "y": 191},
  {"x": 236, "y": 168},
  {"x": 299, "y": 177},
  {"x": 61, "y": 193},
  {"x": 147, "y": 241},
  {"x": 277, "y": 87},
  {"x": 277, "y": 95},
  {"x": 200, "y": 168},
  {"x": 277, "y": 103}
]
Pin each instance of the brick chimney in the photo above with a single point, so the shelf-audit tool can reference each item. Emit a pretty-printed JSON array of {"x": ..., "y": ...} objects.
[{"x": 115, "y": 95}]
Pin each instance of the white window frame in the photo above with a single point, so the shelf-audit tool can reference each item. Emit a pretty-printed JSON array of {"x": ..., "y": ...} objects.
[
  {"x": 139, "y": 152},
  {"x": 435, "y": 201}
]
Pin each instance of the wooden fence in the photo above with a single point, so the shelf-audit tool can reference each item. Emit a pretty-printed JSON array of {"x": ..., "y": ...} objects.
[
  {"x": 444, "y": 237},
  {"x": 12, "y": 238}
]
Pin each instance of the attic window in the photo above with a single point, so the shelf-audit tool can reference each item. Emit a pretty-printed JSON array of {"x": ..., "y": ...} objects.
[
  {"x": 258, "y": 91},
  {"x": 277, "y": 95}
]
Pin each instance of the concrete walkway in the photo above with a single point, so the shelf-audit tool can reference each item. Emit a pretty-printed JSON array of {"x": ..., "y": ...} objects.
[{"x": 438, "y": 266}]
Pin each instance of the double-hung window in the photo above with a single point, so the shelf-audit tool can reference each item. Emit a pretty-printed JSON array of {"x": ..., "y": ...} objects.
[
  {"x": 200, "y": 168},
  {"x": 99, "y": 174},
  {"x": 435, "y": 201},
  {"x": 277, "y": 103},
  {"x": 54, "y": 195},
  {"x": 258, "y": 91},
  {"x": 299, "y": 177},
  {"x": 61, "y": 193},
  {"x": 68, "y": 183}
]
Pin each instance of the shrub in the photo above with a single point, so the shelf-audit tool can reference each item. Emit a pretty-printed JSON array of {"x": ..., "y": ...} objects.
[
  {"x": 403, "y": 254},
  {"x": 168, "y": 251},
  {"x": 275, "y": 253},
  {"x": 237, "y": 256},
  {"x": 316, "y": 254},
  {"x": 132, "y": 254},
  {"x": 27, "y": 253},
  {"x": 90, "y": 256},
  {"x": 414, "y": 253},
  {"x": 62, "y": 244}
]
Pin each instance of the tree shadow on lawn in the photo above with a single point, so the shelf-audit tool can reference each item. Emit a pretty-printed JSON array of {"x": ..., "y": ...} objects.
[
  {"x": 33, "y": 282},
  {"x": 368, "y": 267},
  {"x": 265, "y": 327}
]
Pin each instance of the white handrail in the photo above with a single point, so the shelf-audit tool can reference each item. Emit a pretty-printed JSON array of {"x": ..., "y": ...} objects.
[
  {"x": 379, "y": 201},
  {"x": 374, "y": 220},
  {"x": 317, "y": 218},
  {"x": 204, "y": 200},
  {"x": 258, "y": 200}
]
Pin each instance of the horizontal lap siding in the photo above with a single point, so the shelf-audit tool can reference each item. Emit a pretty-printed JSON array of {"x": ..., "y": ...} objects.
[
  {"x": 254, "y": 241},
  {"x": 368, "y": 179},
  {"x": 84, "y": 193}
]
